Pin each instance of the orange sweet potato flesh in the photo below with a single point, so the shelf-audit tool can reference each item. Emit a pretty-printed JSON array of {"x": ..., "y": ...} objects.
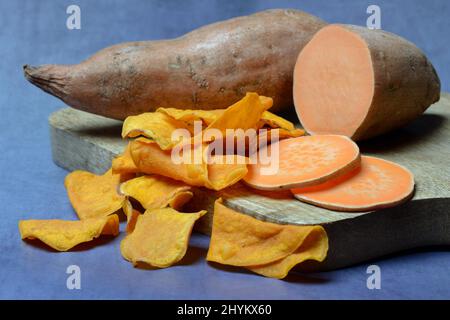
[
  {"x": 361, "y": 83},
  {"x": 376, "y": 184},
  {"x": 209, "y": 68},
  {"x": 305, "y": 161}
]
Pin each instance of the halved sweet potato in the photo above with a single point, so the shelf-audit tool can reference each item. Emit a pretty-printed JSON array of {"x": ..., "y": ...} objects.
[{"x": 357, "y": 82}]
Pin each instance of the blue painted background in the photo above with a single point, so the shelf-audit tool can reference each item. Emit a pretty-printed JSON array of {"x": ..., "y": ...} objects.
[{"x": 35, "y": 32}]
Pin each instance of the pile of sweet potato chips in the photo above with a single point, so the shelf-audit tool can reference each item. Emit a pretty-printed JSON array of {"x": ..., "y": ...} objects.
[{"x": 146, "y": 178}]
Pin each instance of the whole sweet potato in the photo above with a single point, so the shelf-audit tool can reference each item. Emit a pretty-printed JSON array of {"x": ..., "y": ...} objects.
[{"x": 209, "y": 68}]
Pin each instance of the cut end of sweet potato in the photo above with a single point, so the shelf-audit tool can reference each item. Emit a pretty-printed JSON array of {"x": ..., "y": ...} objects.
[
  {"x": 375, "y": 185},
  {"x": 304, "y": 161},
  {"x": 334, "y": 82}
]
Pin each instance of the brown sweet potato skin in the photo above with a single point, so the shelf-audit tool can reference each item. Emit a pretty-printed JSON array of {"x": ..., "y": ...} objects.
[
  {"x": 209, "y": 68},
  {"x": 406, "y": 83}
]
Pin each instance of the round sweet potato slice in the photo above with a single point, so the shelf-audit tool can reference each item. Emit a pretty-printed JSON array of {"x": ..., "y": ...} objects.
[
  {"x": 303, "y": 161},
  {"x": 376, "y": 184}
]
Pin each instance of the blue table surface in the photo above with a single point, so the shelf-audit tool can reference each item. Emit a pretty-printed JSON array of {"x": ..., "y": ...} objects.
[{"x": 35, "y": 32}]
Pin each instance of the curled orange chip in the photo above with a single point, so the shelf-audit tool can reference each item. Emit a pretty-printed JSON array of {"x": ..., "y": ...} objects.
[
  {"x": 154, "y": 125},
  {"x": 150, "y": 159},
  {"x": 94, "y": 196},
  {"x": 314, "y": 247},
  {"x": 267, "y": 102},
  {"x": 132, "y": 215},
  {"x": 244, "y": 114},
  {"x": 284, "y": 127},
  {"x": 274, "y": 121},
  {"x": 241, "y": 240},
  {"x": 160, "y": 237},
  {"x": 154, "y": 191},
  {"x": 63, "y": 235},
  {"x": 124, "y": 164},
  {"x": 189, "y": 116},
  {"x": 222, "y": 174}
]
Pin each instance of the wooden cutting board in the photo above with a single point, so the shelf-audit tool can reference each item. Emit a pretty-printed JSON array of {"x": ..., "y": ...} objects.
[{"x": 84, "y": 141}]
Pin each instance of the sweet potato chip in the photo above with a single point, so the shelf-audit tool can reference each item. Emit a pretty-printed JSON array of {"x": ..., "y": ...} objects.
[
  {"x": 286, "y": 129},
  {"x": 132, "y": 215},
  {"x": 222, "y": 174},
  {"x": 241, "y": 240},
  {"x": 124, "y": 164},
  {"x": 274, "y": 121},
  {"x": 150, "y": 159},
  {"x": 154, "y": 191},
  {"x": 267, "y": 102},
  {"x": 314, "y": 247},
  {"x": 189, "y": 116},
  {"x": 244, "y": 114},
  {"x": 94, "y": 196},
  {"x": 63, "y": 235},
  {"x": 154, "y": 125},
  {"x": 160, "y": 237}
]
